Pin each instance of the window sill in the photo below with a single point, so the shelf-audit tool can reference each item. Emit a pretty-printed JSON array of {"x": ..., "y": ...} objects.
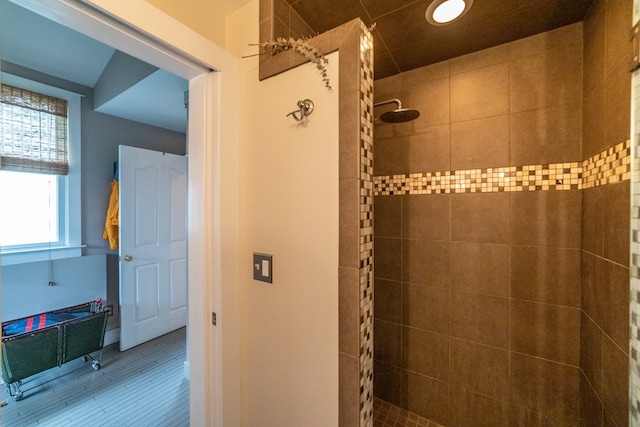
[{"x": 22, "y": 256}]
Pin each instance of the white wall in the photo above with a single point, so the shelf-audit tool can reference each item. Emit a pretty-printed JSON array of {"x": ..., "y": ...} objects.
[
  {"x": 288, "y": 208},
  {"x": 25, "y": 289}
]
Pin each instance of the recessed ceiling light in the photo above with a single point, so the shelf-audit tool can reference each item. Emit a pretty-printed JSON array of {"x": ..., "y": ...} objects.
[{"x": 443, "y": 12}]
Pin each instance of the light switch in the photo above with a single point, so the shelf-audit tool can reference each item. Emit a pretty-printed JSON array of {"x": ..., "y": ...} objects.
[{"x": 262, "y": 267}]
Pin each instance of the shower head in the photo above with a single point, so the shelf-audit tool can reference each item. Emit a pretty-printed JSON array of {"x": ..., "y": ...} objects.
[{"x": 399, "y": 115}]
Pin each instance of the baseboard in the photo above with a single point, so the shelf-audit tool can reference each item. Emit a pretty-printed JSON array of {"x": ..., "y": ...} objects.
[
  {"x": 186, "y": 370},
  {"x": 112, "y": 336}
]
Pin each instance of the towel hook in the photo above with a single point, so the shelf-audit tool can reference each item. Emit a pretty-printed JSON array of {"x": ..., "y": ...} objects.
[{"x": 305, "y": 107}]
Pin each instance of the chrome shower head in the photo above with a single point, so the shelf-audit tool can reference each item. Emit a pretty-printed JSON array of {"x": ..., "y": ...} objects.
[{"x": 399, "y": 115}]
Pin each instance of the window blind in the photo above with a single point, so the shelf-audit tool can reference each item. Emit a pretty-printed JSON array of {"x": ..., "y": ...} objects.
[{"x": 34, "y": 133}]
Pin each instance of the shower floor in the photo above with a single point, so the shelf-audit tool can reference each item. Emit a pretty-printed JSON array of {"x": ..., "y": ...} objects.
[{"x": 387, "y": 415}]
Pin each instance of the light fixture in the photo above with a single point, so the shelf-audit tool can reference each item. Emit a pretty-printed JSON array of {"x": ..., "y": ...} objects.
[{"x": 443, "y": 12}]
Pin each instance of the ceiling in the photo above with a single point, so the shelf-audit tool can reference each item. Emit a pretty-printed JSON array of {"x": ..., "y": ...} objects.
[
  {"x": 154, "y": 97},
  {"x": 403, "y": 40}
]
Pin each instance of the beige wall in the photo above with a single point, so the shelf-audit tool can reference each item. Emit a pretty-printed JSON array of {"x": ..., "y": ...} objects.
[
  {"x": 199, "y": 15},
  {"x": 288, "y": 208}
]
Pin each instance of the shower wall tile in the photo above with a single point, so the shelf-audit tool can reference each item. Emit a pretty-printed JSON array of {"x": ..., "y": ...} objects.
[
  {"x": 476, "y": 60},
  {"x": 617, "y": 104},
  {"x": 594, "y": 45},
  {"x": 591, "y": 353},
  {"x": 593, "y": 131},
  {"x": 427, "y": 308},
  {"x": 593, "y": 200},
  {"x": 617, "y": 222},
  {"x": 387, "y": 341},
  {"x": 432, "y": 100},
  {"x": 480, "y": 93},
  {"x": 426, "y": 262},
  {"x": 480, "y": 368},
  {"x": 388, "y": 382},
  {"x": 427, "y": 149},
  {"x": 546, "y": 135},
  {"x": 615, "y": 384},
  {"x": 548, "y": 275},
  {"x": 479, "y": 143},
  {"x": 546, "y": 218},
  {"x": 388, "y": 259},
  {"x": 472, "y": 409},
  {"x": 425, "y": 353},
  {"x": 349, "y": 313},
  {"x": 387, "y": 216},
  {"x": 485, "y": 270},
  {"x": 389, "y": 155},
  {"x": 549, "y": 388},
  {"x": 617, "y": 41},
  {"x": 388, "y": 304},
  {"x": 348, "y": 391},
  {"x": 436, "y": 208},
  {"x": 590, "y": 405},
  {"x": 545, "y": 330},
  {"x": 427, "y": 397},
  {"x": 614, "y": 294},
  {"x": 480, "y": 318},
  {"x": 593, "y": 276},
  {"x": 480, "y": 218}
]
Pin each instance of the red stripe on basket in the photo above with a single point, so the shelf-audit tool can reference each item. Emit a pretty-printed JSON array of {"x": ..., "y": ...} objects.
[
  {"x": 43, "y": 321},
  {"x": 29, "y": 326}
]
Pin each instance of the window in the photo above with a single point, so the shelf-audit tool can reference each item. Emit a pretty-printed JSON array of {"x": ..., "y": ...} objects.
[{"x": 39, "y": 171}]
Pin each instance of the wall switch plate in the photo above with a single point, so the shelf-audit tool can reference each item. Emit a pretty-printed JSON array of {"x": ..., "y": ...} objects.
[{"x": 263, "y": 267}]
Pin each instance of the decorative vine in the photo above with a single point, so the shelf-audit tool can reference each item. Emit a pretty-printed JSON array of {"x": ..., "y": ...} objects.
[{"x": 302, "y": 47}]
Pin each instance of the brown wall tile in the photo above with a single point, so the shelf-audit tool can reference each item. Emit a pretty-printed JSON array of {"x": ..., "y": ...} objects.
[
  {"x": 593, "y": 200},
  {"x": 545, "y": 274},
  {"x": 426, "y": 307},
  {"x": 426, "y": 217},
  {"x": 590, "y": 405},
  {"x": 480, "y": 218},
  {"x": 387, "y": 340},
  {"x": 388, "y": 258},
  {"x": 425, "y": 353},
  {"x": 426, "y": 262},
  {"x": 349, "y": 311},
  {"x": 591, "y": 353},
  {"x": 614, "y": 293},
  {"x": 388, "y": 156},
  {"x": 427, "y": 397},
  {"x": 546, "y": 218},
  {"x": 545, "y": 387},
  {"x": 428, "y": 150},
  {"x": 481, "y": 143},
  {"x": 480, "y": 268},
  {"x": 548, "y": 135},
  {"x": 480, "y": 93},
  {"x": 617, "y": 218},
  {"x": 594, "y": 45},
  {"x": 619, "y": 46},
  {"x": 387, "y": 384},
  {"x": 480, "y": 318},
  {"x": 594, "y": 122},
  {"x": 349, "y": 220},
  {"x": 476, "y": 60},
  {"x": 480, "y": 368},
  {"x": 387, "y": 216},
  {"x": 471, "y": 409},
  {"x": 593, "y": 271},
  {"x": 388, "y": 300},
  {"x": 349, "y": 398},
  {"x": 615, "y": 384},
  {"x": 431, "y": 98},
  {"x": 617, "y": 105},
  {"x": 544, "y": 330}
]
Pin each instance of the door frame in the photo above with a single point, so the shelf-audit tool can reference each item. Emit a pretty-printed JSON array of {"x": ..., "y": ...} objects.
[{"x": 142, "y": 31}]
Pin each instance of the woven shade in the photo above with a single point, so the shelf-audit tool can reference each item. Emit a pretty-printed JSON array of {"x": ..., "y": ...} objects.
[{"x": 34, "y": 133}]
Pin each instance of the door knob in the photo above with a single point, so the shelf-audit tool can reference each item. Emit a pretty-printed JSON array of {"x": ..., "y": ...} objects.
[{"x": 128, "y": 258}]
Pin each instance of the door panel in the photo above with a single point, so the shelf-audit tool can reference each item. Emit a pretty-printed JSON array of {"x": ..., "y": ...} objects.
[{"x": 153, "y": 244}]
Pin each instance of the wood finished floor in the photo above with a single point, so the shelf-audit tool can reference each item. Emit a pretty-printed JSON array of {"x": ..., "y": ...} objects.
[{"x": 143, "y": 386}]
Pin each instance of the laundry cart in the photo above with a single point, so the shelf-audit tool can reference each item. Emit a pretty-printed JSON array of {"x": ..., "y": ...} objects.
[{"x": 33, "y": 344}]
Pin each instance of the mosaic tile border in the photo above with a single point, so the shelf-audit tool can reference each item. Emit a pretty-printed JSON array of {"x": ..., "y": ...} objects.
[
  {"x": 366, "y": 227},
  {"x": 610, "y": 166}
]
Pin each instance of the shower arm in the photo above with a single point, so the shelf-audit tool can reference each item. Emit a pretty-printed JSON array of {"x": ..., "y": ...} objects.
[{"x": 389, "y": 101}]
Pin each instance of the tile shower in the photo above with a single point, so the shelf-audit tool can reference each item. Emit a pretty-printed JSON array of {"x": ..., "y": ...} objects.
[{"x": 501, "y": 232}]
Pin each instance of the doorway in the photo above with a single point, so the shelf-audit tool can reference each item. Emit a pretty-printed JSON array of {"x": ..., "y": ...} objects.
[{"x": 144, "y": 32}]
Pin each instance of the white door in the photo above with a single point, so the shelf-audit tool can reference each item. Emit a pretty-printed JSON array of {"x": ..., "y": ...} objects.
[{"x": 153, "y": 244}]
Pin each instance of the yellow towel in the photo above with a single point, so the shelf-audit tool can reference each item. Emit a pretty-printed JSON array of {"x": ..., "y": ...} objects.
[{"x": 111, "y": 224}]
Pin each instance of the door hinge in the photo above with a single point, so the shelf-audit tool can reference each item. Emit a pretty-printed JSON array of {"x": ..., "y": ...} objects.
[{"x": 214, "y": 318}]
